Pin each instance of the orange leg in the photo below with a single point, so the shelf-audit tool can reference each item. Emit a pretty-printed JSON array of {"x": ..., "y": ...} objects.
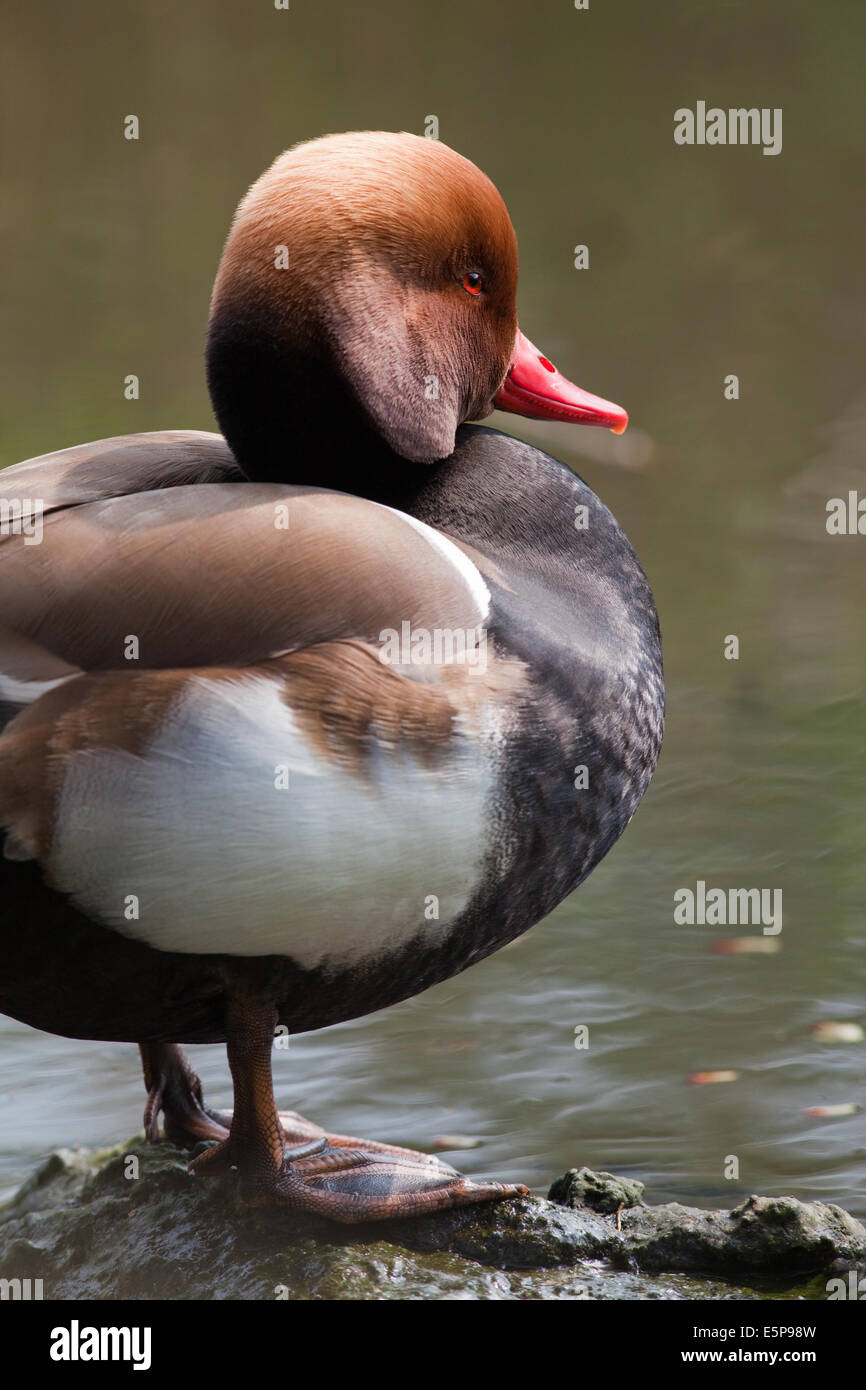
[{"x": 287, "y": 1160}]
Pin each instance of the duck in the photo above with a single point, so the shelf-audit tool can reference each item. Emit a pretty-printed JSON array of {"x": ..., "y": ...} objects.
[{"x": 303, "y": 717}]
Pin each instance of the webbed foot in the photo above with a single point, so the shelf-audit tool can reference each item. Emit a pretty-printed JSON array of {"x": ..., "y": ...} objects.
[{"x": 350, "y": 1184}]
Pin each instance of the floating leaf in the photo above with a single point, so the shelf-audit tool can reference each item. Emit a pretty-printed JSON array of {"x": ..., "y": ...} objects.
[
  {"x": 745, "y": 946},
  {"x": 830, "y": 1032},
  {"x": 457, "y": 1141},
  {"x": 831, "y": 1112}
]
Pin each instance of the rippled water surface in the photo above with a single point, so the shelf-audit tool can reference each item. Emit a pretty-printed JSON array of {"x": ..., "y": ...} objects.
[{"x": 704, "y": 262}]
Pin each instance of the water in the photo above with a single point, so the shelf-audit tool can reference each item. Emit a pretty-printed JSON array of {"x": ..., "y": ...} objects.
[{"x": 703, "y": 262}]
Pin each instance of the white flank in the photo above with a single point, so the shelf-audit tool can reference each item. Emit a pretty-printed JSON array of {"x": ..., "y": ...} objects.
[{"x": 338, "y": 867}]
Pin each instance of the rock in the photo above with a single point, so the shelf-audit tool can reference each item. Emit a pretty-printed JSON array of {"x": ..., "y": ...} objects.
[
  {"x": 581, "y": 1187},
  {"x": 764, "y": 1235},
  {"x": 131, "y": 1223}
]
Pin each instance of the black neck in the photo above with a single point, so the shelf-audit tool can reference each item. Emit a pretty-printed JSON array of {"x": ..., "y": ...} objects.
[{"x": 290, "y": 418}]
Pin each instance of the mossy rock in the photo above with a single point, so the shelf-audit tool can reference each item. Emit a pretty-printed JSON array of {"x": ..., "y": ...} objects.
[{"x": 131, "y": 1222}]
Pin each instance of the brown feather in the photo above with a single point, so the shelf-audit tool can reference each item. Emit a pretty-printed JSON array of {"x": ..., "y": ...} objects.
[{"x": 203, "y": 574}]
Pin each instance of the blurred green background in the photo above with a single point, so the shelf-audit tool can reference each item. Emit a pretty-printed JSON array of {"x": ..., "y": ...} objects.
[{"x": 703, "y": 262}]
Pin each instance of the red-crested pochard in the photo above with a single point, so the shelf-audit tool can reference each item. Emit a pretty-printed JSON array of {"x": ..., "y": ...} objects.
[{"x": 295, "y": 716}]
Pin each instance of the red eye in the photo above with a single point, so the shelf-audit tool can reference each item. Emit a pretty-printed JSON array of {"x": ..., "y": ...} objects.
[{"x": 473, "y": 282}]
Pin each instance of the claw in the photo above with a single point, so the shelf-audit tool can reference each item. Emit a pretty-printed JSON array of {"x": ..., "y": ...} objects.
[
  {"x": 152, "y": 1112},
  {"x": 174, "y": 1091}
]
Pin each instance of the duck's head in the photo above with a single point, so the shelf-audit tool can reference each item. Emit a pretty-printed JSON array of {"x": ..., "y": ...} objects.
[{"x": 366, "y": 301}]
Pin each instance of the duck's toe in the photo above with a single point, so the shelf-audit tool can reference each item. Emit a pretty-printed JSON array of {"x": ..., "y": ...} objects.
[
  {"x": 174, "y": 1092},
  {"x": 352, "y": 1185}
]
